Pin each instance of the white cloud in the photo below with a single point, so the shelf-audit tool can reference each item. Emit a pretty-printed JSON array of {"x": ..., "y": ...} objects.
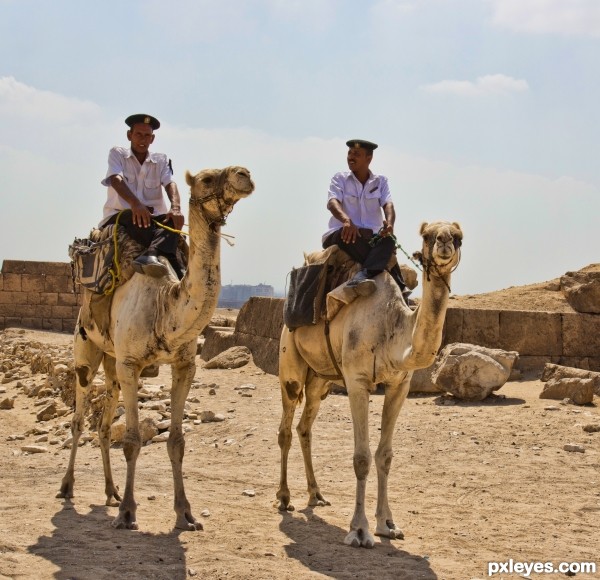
[
  {"x": 484, "y": 86},
  {"x": 565, "y": 17},
  {"x": 20, "y": 100}
]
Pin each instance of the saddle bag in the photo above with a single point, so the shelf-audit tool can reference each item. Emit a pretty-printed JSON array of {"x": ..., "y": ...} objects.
[
  {"x": 304, "y": 300},
  {"x": 92, "y": 264}
]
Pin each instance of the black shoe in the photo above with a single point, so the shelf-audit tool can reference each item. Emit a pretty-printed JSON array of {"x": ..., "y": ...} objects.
[
  {"x": 362, "y": 284},
  {"x": 150, "y": 266}
]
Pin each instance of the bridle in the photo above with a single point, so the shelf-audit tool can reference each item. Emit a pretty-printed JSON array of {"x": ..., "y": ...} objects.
[
  {"x": 428, "y": 263},
  {"x": 224, "y": 209}
]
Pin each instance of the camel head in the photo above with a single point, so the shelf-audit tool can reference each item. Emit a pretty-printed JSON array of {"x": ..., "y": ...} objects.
[
  {"x": 441, "y": 246},
  {"x": 216, "y": 191}
]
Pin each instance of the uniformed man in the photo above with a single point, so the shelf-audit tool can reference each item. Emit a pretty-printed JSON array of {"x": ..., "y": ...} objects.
[
  {"x": 361, "y": 205},
  {"x": 135, "y": 179}
]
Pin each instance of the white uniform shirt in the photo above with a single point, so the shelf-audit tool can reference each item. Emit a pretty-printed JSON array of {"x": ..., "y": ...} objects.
[
  {"x": 361, "y": 203},
  {"x": 145, "y": 180}
]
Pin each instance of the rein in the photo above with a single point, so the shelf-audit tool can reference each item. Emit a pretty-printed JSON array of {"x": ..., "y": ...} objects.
[{"x": 224, "y": 212}]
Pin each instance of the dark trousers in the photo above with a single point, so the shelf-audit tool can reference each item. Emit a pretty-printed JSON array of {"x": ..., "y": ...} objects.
[
  {"x": 373, "y": 258},
  {"x": 157, "y": 241}
]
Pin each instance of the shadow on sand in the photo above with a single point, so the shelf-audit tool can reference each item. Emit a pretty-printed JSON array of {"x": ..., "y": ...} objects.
[
  {"x": 85, "y": 546},
  {"x": 320, "y": 547}
]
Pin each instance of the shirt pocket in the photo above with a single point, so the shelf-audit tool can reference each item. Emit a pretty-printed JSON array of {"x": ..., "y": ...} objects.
[
  {"x": 373, "y": 200},
  {"x": 152, "y": 188}
]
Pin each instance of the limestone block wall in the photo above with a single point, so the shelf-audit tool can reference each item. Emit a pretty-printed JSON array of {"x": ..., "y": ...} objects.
[
  {"x": 38, "y": 295},
  {"x": 568, "y": 339}
]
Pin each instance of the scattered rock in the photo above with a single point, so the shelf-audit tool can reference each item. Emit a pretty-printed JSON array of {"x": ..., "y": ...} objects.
[
  {"x": 552, "y": 371},
  {"x": 232, "y": 358},
  {"x": 472, "y": 372},
  {"x": 592, "y": 428},
  {"x": 47, "y": 412},
  {"x": 582, "y": 290},
  {"x": 249, "y": 492},
  {"x": 34, "y": 449},
  {"x": 579, "y": 391},
  {"x": 574, "y": 448},
  {"x": 161, "y": 437},
  {"x": 7, "y": 403}
]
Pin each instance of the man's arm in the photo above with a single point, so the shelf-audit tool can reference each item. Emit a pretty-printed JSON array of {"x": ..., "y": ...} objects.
[
  {"x": 141, "y": 215},
  {"x": 349, "y": 230},
  {"x": 175, "y": 211},
  {"x": 390, "y": 219}
]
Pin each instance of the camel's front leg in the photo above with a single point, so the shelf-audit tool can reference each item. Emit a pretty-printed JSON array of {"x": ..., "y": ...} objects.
[
  {"x": 395, "y": 395},
  {"x": 358, "y": 395},
  {"x": 128, "y": 375},
  {"x": 108, "y": 414},
  {"x": 87, "y": 360},
  {"x": 316, "y": 390},
  {"x": 182, "y": 375}
]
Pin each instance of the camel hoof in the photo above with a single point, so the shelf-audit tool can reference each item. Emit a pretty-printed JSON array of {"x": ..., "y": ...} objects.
[
  {"x": 318, "y": 501},
  {"x": 189, "y": 524},
  {"x": 64, "y": 494},
  {"x": 120, "y": 523},
  {"x": 285, "y": 507},
  {"x": 390, "y": 530},
  {"x": 358, "y": 538},
  {"x": 113, "y": 502}
]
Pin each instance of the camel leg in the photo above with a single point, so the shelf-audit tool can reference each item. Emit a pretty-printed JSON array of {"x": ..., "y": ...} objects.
[
  {"x": 182, "y": 375},
  {"x": 358, "y": 395},
  {"x": 292, "y": 376},
  {"x": 316, "y": 390},
  {"x": 108, "y": 414},
  {"x": 395, "y": 395},
  {"x": 87, "y": 358},
  {"x": 128, "y": 375}
]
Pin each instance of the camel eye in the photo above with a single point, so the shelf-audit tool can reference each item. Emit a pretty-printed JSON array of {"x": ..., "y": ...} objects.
[{"x": 207, "y": 180}]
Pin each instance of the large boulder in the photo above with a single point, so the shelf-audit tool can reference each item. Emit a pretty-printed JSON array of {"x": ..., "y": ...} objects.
[
  {"x": 579, "y": 391},
  {"x": 582, "y": 290},
  {"x": 558, "y": 373},
  {"x": 472, "y": 372},
  {"x": 232, "y": 358}
]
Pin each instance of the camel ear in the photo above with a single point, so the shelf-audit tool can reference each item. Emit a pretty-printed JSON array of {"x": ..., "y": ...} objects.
[
  {"x": 457, "y": 226},
  {"x": 189, "y": 178},
  {"x": 422, "y": 229}
]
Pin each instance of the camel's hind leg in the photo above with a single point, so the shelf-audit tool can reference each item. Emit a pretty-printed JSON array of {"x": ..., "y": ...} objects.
[
  {"x": 316, "y": 390},
  {"x": 87, "y": 360},
  {"x": 108, "y": 413},
  {"x": 395, "y": 395},
  {"x": 292, "y": 376},
  {"x": 182, "y": 375}
]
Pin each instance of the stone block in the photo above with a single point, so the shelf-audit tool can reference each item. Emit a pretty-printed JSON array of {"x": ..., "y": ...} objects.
[
  {"x": 62, "y": 312},
  {"x": 453, "y": 327},
  {"x": 265, "y": 351},
  {"x": 52, "y": 324},
  {"x": 50, "y": 298},
  {"x": 18, "y": 310},
  {"x": 68, "y": 325},
  {"x": 531, "y": 333},
  {"x": 216, "y": 340},
  {"x": 27, "y": 267},
  {"x": 262, "y": 317},
  {"x": 13, "y": 298},
  {"x": 33, "y": 298},
  {"x": 532, "y": 365},
  {"x": 1, "y": 282},
  {"x": 57, "y": 284},
  {"x": 481, "y": 327},
  {"x": 12, "y": 282},
  {"x": 581, "y": 335},
  {"x": 44, "y": 311},
  {"x": 33, "y": 282},
  {"x": 67, "y": 299},
  {"x": 35, "y": 323}
]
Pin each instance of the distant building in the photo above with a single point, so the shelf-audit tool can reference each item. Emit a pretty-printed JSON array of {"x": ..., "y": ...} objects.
[{"x": 236, "y": 295}]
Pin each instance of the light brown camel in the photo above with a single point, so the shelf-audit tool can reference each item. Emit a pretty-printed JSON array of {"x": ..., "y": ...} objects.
[
  {"x": 156, "y": 321},
  {"x": 375, "y": 339}
]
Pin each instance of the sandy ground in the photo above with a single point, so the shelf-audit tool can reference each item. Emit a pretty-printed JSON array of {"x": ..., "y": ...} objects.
[{"x": 470, "y": 484}]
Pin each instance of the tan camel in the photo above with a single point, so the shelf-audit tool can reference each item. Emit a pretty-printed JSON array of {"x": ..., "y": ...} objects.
[
  {"x": 375, "y": 339},
  {"x": 156, "y": 321}
]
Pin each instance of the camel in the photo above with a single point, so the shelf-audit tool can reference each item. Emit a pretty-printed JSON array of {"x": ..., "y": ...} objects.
[
  {"x": 374, "y": 339},
  {"x": 156, "y": 321}
]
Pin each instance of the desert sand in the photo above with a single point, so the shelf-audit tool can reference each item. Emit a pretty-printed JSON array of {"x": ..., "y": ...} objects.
[{"x": 471, "y": 483}]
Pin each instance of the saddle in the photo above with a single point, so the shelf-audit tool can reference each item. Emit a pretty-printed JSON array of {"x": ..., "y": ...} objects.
[{"x": 317, "y": 289}]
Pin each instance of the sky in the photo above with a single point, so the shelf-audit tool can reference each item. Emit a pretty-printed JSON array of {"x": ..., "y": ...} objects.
[{"x": 485, "y": 111}]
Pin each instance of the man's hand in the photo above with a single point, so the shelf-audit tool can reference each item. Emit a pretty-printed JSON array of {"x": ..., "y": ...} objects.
[
  {"x": 386, "y": 230},
  {"x": 177, "y": 217},
  {"x": 140, "y": 214},
  {"x": 349, "y": 232}
]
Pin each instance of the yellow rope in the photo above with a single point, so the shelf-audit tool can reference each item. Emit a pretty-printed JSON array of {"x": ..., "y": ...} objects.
[
  {"x": 170, "y": 229},
  {"x": 115, "y": 275}
]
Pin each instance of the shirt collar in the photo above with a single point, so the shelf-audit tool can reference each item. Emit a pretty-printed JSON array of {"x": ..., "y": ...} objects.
[{"x": 149, "y": 157}]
